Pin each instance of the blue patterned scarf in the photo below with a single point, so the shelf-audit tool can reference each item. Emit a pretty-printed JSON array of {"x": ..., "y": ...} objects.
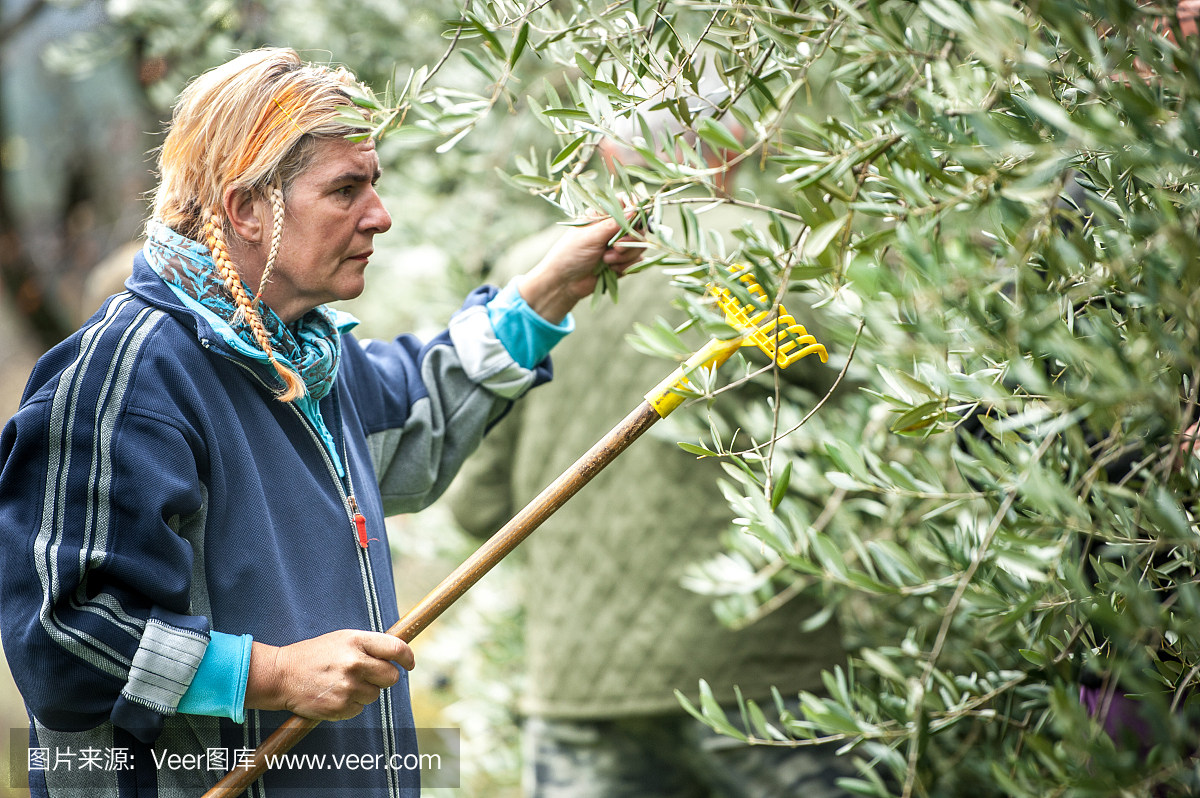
[{"x": 312, "y": 346}]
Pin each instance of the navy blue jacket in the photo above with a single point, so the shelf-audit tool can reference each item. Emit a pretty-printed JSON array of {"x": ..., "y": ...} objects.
[{"x": 153, "y": 489}]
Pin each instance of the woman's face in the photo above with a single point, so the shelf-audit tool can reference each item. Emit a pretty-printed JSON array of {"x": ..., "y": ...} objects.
[{"x": 332, "y": 213}]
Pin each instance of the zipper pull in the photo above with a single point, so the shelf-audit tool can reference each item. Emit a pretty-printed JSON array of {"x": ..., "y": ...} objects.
[{"x": 360, "y": 523}]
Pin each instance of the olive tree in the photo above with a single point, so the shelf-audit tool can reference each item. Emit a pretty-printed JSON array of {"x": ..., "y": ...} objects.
[
  {"x": 997, "y": 220},
  {"x": 992, "y": 207}
]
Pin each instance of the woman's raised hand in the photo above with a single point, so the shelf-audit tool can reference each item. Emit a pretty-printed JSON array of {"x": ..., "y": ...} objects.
[{"x": 568, "y": 273}]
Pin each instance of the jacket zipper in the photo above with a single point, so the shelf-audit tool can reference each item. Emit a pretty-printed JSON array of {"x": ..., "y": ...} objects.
[{"x": 387, "y": 711}]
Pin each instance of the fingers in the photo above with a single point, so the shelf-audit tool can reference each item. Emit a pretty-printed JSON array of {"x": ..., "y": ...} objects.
[
  {"x": 373, "y": 670},
  {"x": 621, "y": 258},
  {"x": 618, "y": 255},
  {"x": 606, "y": 226},
  {"x": 621, "y": 255},
  {"x": 386, "y": 647}
]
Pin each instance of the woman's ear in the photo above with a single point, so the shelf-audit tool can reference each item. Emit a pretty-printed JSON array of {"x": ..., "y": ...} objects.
[{"x": 248, "y": 215}]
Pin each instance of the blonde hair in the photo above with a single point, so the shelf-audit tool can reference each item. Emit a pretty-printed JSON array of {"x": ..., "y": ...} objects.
[{"x": 251, "y": 124}]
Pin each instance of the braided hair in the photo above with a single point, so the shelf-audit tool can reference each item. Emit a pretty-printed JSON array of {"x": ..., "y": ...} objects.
[{"x": 276, "y": 237}]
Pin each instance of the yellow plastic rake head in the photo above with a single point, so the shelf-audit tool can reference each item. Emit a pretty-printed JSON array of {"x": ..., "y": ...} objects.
[{"x": 779, "y": 338}]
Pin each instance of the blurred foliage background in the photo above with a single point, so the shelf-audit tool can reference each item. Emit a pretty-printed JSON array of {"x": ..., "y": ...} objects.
[{"x": 990, "y": 208}]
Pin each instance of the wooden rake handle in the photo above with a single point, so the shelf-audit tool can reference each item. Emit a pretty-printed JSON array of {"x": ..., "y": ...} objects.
[{"x": 453, "y": 586}]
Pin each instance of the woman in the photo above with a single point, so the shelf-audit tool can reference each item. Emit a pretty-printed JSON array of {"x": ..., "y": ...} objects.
[{"x": 192, "y": 494}]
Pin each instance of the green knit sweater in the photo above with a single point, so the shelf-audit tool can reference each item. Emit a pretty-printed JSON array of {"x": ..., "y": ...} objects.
[{"x": 610, "y": 631}]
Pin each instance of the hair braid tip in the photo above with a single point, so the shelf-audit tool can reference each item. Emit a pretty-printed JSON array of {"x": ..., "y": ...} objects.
[{"x": 293, "y": 386}]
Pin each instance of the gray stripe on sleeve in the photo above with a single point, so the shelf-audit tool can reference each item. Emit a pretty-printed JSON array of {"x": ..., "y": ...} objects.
[
  {"x": 50, "y": 534},
  {"x": 71, "y": 382},
  {"x": 164, "y": 665},
  {"x": 107, "y": 607}
]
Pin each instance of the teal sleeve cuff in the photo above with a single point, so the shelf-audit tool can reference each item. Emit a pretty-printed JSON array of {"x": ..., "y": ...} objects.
[
  {"x": 219, "y": 687},
  {"x": 526, "y": 335}
]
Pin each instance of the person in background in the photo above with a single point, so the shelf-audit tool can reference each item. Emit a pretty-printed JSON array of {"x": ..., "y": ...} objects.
[
  {"x": 610, "y": 632},
  {"x": 193, "y": 490}
]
